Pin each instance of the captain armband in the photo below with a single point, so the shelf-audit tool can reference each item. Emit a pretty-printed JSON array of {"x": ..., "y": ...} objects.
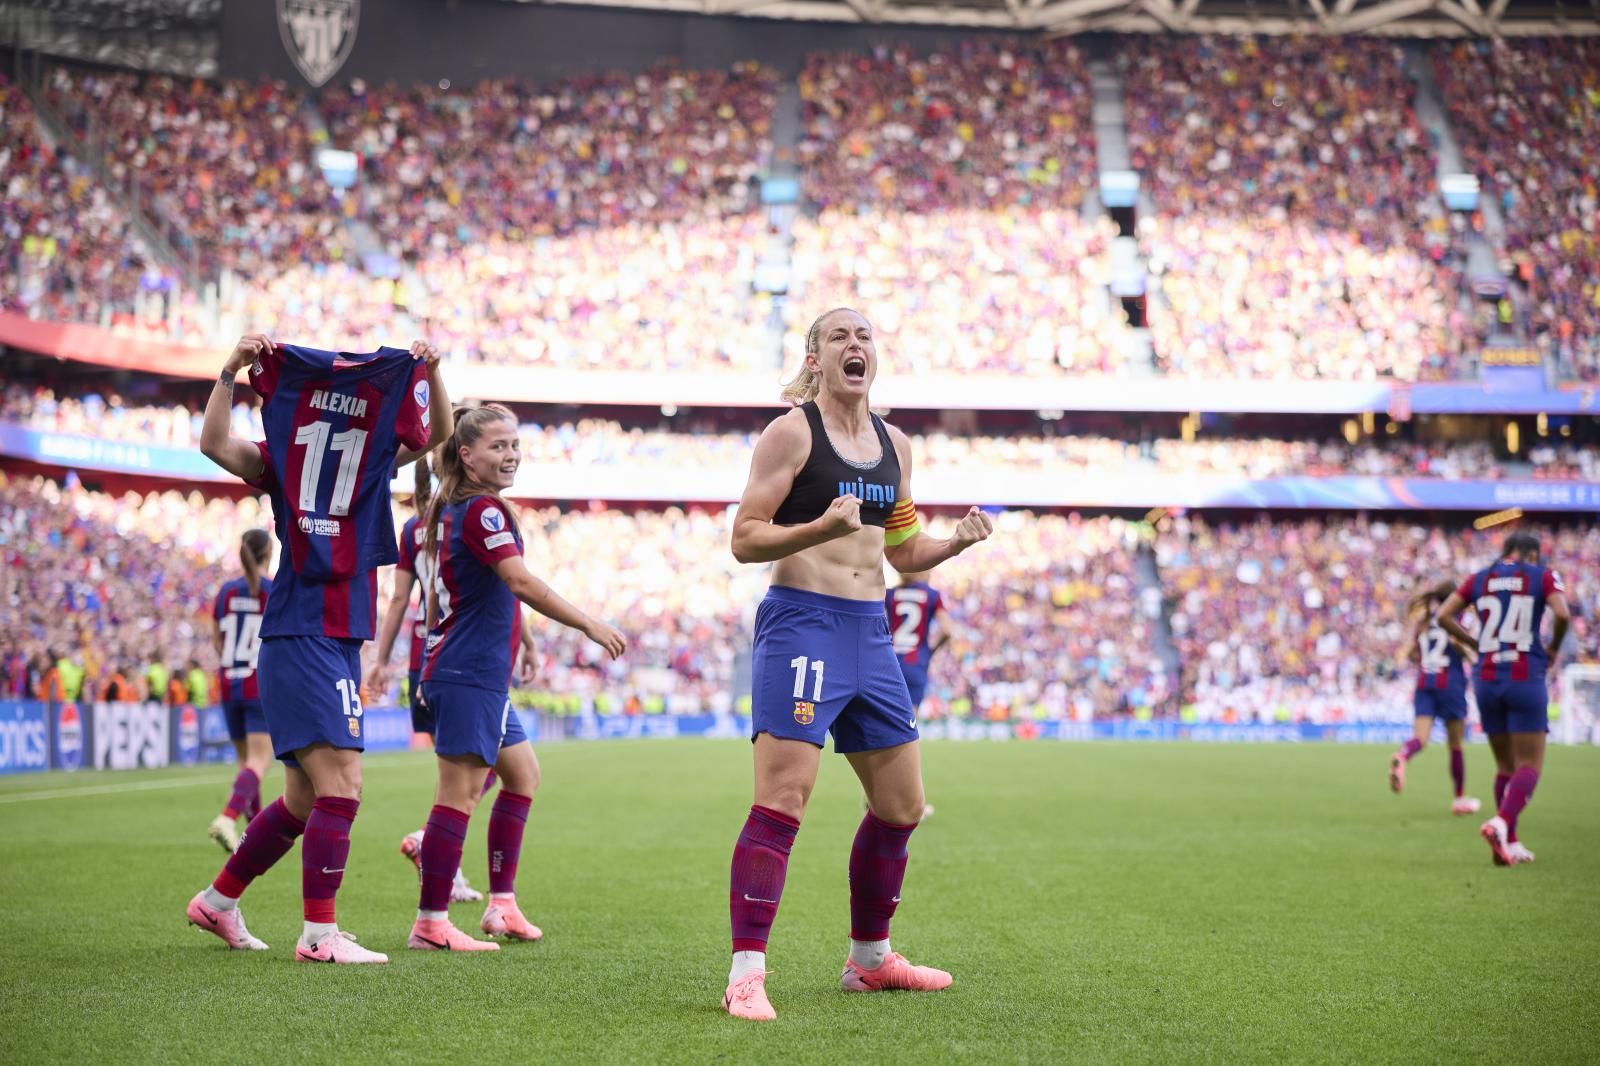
[{"x": 902, "y": 525}]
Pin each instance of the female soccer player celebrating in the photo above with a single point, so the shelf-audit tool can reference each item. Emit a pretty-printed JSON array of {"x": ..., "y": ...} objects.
[
  {"x": 237, "y": 614},
  {"x": 828, "y": 500},
  {"x": 473, "y": 538},
  {"x": 1441, "y": 693},
  {"x": 412, "y": 571},
  {"x": 336, "y": 424}
]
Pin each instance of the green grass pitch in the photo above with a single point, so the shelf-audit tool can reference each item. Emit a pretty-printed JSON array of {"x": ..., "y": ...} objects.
[{"x": 1096, "y": 903}]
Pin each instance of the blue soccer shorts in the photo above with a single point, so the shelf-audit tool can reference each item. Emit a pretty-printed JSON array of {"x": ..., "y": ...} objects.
[
  {"x": 311, "y": 693},
  {"x": 1513, "y": 706},
  {"x": 1445, "y": 704},
  {"x": 824, "y": 664},
  {"x": 468, "y": 720},
  {"x": 244, "y": 717}
]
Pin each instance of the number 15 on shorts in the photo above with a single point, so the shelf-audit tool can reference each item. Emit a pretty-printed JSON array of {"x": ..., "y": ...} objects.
[{"x": 798, "y": 664}]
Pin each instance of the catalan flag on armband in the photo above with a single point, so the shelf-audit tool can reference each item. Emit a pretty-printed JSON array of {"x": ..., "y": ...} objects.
[{"x": 902, "y": 525}]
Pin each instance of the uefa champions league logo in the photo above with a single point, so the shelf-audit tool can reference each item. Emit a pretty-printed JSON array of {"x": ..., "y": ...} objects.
[
  {"x": 493, "y": 520},
  {"x": 420, "y": 394},
  {"x": 318, "y": 35}
]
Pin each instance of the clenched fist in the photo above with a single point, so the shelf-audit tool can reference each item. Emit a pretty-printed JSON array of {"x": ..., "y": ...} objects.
[
  {"x": 974, "y": 526},
  {"x": 842, "y": 518}
]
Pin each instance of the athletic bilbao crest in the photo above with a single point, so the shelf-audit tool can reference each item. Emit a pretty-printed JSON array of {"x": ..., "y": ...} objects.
[
  {"x": 318, "y": 35},
  {"x": 804, "y": 711}
]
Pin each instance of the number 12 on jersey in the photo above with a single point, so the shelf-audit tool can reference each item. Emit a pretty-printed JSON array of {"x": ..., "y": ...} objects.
[{"x": 798, "y": 665}]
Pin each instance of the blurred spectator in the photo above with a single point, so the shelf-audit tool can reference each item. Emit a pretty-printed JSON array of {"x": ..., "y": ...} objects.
[
  {"x": 979, "y": 124},
  {"x": 1527, "y": 114},
  {"x": 1016, "y": 291},
  {"x": 1267, "y": 612}
]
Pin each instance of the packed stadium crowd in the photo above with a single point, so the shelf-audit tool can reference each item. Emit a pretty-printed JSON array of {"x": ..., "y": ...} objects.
[
  {"x": 1276, "y": 251},
  {"x": 1293, "y": 184},
  {"x": 606, "y": 442},
  {"x": 67, "y": 252},
  {"x": 1528, "y": 116},
  {"x": 1308, "y": 618},
  {"x": 972, "y": 125},
  {"x": 233, "y": 160},
  {"x": 1304, "y": 618},
  {"x": 1018, "y": 291}
]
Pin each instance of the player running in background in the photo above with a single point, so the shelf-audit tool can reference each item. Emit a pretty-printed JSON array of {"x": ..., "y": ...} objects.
[
  {"x": 335, "y": 425},
  {"x": 237, "y": 614},
  {"x": 916, "y": 612},
  {"x": 828, "y": 501},
  {"x": 1441, "y": 693},
  {"x": 1510, "y": 599},
  {"x": 479, "y": 579},
  {"x": 412, "y": 571}
]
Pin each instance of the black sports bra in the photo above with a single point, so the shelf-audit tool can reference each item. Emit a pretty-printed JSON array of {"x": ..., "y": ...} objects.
[{"x": 828, "y": 475}]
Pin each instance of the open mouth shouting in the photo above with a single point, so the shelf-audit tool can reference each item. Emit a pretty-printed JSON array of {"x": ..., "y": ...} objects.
[{"x": 855, "y": 369}]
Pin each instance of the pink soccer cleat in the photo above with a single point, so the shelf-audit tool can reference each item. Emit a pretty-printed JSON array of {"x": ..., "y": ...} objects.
[
  {"x": 439, "y": 935},
  {"x": 1517, "y": 853},
  {"x": 747, "y": 998},
  {"x": 411, "y": 848},
  {"x": 1465, "y": 805},
  {"x": 227, "y": 925},
  {"x": 1397, "y": 772},
  {"x": 895, "y": 973},
  {"x": 337, "y": 946},
  {"x": 1494, "y": 831},
  {"x": 504, "y": 918}
]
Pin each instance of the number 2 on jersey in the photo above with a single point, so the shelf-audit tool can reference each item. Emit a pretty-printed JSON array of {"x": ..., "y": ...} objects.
[
  {"x": 798, "y": 664},
  {"x": 907, "y": 632},
  {"x": 349, "y": 444}
]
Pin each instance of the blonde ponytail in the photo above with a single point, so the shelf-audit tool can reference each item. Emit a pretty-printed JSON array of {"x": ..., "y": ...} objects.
[
  {"x": 455, "y": 483},
  {"x": 808, "y": 383}
]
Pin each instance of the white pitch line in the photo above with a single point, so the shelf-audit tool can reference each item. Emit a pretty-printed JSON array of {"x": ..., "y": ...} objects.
[
  {"x": 383, "y": 761},
  {"x": 103, "y": 790}
]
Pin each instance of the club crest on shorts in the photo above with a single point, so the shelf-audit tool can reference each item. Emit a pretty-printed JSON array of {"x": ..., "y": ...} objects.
[
  {"x": 355, "y": 726},
  {"x": 805, "y": 712},
  {"x": 318, "y": 35}
]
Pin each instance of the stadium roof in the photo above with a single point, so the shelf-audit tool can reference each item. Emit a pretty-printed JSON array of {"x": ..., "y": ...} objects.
[{"x": 1401, "y": 18}]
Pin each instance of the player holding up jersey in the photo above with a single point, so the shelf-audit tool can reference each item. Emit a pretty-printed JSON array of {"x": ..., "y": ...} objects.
[
  {"x": 828, "y": 502},
  {"x": 479, "y": 581},
  {"x": 1441, "y": 693},
  {"x": 336, "y": 424},
  {"x": 237, "y": 614},
  {"x": 1510, "y": 599}
]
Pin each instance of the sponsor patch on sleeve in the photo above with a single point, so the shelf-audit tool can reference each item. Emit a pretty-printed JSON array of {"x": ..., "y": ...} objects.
[{"x": 499, "y": 540}]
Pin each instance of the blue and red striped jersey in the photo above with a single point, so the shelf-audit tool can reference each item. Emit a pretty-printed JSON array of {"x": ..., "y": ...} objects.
[
  {"x": 334, "y": 422},
  {"x": 911, "y": 609},
  {"x": 415, "y": 561},
  {"x": 238, "y": 615},
  {"x": 1441, "y": 667},
  {"x": 474, "y": 641},
  {"x": 1509, "y": 599}
]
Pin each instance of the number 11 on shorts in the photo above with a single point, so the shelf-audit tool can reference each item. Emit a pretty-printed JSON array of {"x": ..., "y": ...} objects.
[{"x": 798, "y": 664}]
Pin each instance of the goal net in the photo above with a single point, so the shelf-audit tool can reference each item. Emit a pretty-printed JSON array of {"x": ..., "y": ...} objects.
[{"x": 1579, "y": 700}]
